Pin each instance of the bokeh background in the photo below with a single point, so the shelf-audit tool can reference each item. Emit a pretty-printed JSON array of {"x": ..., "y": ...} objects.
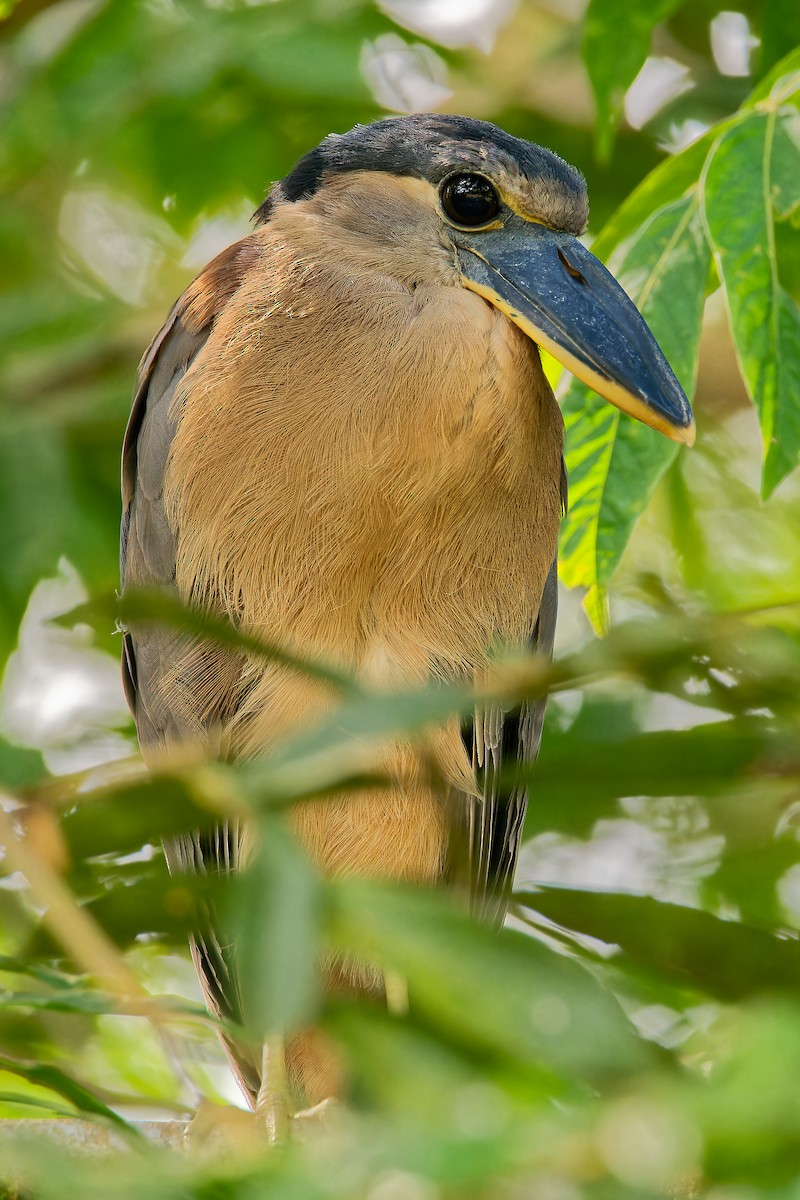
[{"x": 137, "y": 137}]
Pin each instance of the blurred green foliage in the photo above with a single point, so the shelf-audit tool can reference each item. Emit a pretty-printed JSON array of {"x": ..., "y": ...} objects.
[{"x": 637, "y": 1032}]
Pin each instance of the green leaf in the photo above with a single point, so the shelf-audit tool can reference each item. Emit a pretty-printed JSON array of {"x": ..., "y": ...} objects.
[
  {"x": 781, "y": 78},
  {"x": 501, "y": 993},
  {"x": 46, "y": 975},
  {"x": 613, "y": 461},
  {"x": 63, "y": 1085},
  {"x": 780, "y": 27},
  {"x": 135, "y": 813},
  {"x": 350, "y": 738},
  {"x": 47, "y": 1106},
  {"x": 19, "y": 766},
  {"x": 765, "y": 319},
  {"x": 785, "y": 190},
  {"x": 39, "y": 518},
  {"x": 616, "y": 42},
  {"x": 276, "y": 912},
  {"x": 143, "y": 898},
  {"x": 88, "y": 1003},
  {"x": 577, "y": 777},
  {"x": 399, "y": 1066},
  {"x": 149, "y": 606},
  {"x": 726, "y": 959}
]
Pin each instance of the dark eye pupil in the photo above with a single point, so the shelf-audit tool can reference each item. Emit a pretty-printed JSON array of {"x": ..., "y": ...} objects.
[{"x": 469, "y": 199}]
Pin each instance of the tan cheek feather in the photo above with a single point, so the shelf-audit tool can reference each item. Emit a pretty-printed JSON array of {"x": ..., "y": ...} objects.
[{"x": 366, "y": 468}]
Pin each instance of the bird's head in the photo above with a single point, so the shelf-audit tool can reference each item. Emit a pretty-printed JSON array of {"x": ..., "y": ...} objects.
[{"x": 510, "y": 214}]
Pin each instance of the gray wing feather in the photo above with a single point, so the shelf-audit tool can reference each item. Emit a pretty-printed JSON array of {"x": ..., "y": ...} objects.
[
  {"x": 147, "y": 543},
  {"x": 153, "y": 654}
]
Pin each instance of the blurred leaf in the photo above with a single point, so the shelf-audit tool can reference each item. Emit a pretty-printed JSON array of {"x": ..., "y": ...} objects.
[
  {"x": 94, "y": 1003},
  {"x": 535, "y": 995},
  {"x": 750, "y": 871},
  {"x": 144, "y": 898},
  {"x": 765, "y": 319},
  {"x": 726, "y": 959},
  {"x": 576, "y": 777},
  {"x": 46, "y": 1106},
  {"x": 47, "y": 975},
  {"x": 400, "y": 1067},
  {"x": 66, "y": 1087},
  {"x": 40, "y": 519},
  {"x": 137, "y": 607},
  {"x": 350, "y": 738},
  {"x": 19, "y": 766},
  {"x": 757, "y": 1054},
  {"x": 613, "y": 61},
  {"x": 122, "y": 819},
  {"x": 86, "y": 1002},
  {"x": 276, "y": 909},
  {"x": 780, "y": 27}
]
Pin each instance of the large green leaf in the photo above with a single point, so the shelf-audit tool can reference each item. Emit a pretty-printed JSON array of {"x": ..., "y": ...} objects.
[
  {"x": 785, "y": 181},
  {"x": 616, "y": 42},
  {"x": 658, "y": 245},
  {"x": 753, "y": 160},
  {"x": 614, "y": 462}
]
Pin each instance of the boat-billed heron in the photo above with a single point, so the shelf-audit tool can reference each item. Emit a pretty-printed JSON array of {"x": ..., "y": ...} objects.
[{"x": 343, "y": 439}]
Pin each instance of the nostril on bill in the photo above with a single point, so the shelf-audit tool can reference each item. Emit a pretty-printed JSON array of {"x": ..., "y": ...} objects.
[{"x": 573, "y": 271}]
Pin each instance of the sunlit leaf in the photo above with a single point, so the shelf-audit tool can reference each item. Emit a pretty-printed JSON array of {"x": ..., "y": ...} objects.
[
  {"x": 51, "y": 1107},
  {"x": 785, "y": 177},
  {"x": 765, "y": 319},
  {"x": 613, "y": 461},
  {"x": 67, "y": 1088},
  {"x": 782, "y": 83}
]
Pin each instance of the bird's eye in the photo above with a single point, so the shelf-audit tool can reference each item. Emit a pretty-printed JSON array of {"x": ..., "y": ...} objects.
[{"x": 469, "y": 199}]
